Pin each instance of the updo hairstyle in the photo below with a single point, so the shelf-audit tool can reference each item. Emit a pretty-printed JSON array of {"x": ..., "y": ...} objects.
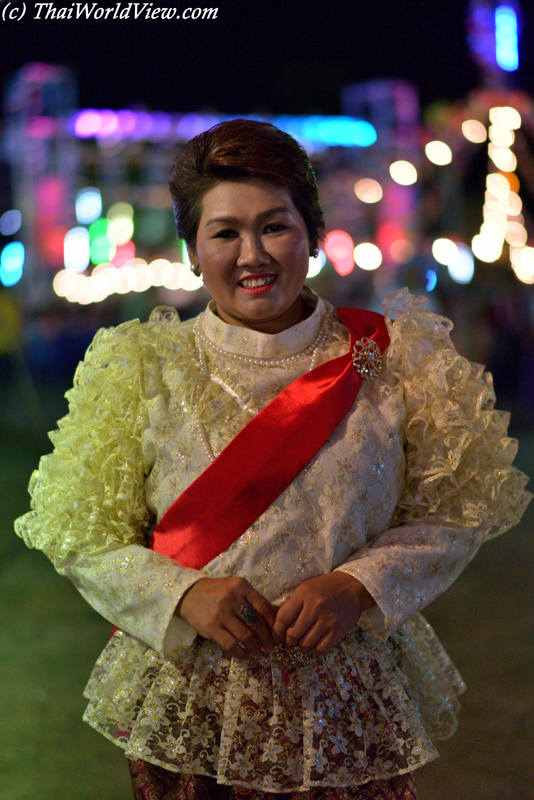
[{"x": 237, "y": 151}]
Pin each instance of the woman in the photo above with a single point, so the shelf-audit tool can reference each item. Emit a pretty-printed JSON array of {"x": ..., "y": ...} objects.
[{"x": 270, "y": 642}]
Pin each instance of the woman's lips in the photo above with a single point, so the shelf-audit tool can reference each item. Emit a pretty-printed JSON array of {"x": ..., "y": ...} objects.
[{"x": 257, "y": 284}]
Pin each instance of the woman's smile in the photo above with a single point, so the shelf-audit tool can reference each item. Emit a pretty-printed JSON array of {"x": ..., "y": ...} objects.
[{"x": 257, "y": 284}]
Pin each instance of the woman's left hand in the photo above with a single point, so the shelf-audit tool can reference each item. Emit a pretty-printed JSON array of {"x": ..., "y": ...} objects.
[{"x": 322, "y": 611}]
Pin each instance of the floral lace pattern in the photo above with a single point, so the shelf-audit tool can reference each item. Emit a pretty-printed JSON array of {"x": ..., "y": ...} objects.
[
  {"x": 343, "y": 719},
  {"x": 401, "y": 496}
]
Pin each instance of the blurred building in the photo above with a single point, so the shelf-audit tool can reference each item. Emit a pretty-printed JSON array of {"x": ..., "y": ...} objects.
[{"x": 442, "y": 202}]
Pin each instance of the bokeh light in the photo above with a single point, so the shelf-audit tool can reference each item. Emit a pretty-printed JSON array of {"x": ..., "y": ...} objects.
[
  {"x": 503, "y": 158},
  {"x": 88, "y": 205},
  {"x": 506, "y": 38},
  {"x": 445, "y": 251},
  {"x": 76, "y": 250},
  {"x": 87, "y": 123},
  {"x": 497, "y": 184},
  {"x": 123, "y": 254},
  {"x": 494, "y": 224},
  {"x": 402, "y": 251},
  {"x": 339, "y": 248},
  {"x": 142, "y": 280},
  {"x": 501, "y": 136},
  {"x": 474, "y": 131},
  {"x": 128, "y": 279},
  {"x": 487, "y": 246},
  {"x": 113, "y": 274},
  {"x": 159, "y": 272},
  {"x": 11, "y": 263},
  {"x": 516, "y": 234},
  {"x": 367, "y": 256},
  {"x": 515, "y": 204},
  {"x": 188, "y": 281},
  {"x": 174, "y": 281},
  {"x": 431, "y": 280},
  {"x": 368, "y": 190},
  {"x": 316, "y": 264},
  {"x": 438, "y": 153},
  {"x": 81, "y": 291},
  {"x": 463, "y": 268},
  {"x": 513, "y": 181},
  {"x": 121, "y": 226},
  {"x": 120, "y": 210},
  {"x": 101, "y": 248},
  {"x": 135, "y": 276},
  {"x": 106, "y": 124},
  {"x": 330, "y": 131},
  {"x": 64, "y": 283},
  {"x": 506, "y": 116},
  {"x": 523, "y": 264},
  {"x": 403, "y": 172},
  {"x": 10, "y": 222}
]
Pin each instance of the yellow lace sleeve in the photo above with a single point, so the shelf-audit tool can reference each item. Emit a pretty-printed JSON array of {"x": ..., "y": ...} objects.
[
  {"x": 89, "y": 492},
  {"x": 460, "y": 486},
  {"x": 89, "y": 513},
  {"x": 458, "y": 453}
]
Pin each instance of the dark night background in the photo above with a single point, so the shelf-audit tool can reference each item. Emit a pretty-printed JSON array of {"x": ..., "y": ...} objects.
[{"x": 286, "y": 57}]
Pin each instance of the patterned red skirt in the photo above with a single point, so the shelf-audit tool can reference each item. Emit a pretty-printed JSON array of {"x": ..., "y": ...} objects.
[{"x": 155, "y": 783}]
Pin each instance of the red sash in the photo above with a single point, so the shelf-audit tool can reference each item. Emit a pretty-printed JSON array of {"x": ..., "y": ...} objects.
[{"x": 265, "y": 456}]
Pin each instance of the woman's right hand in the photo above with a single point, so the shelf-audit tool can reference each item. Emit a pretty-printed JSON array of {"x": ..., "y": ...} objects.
[{"x": 212, "y": 607}]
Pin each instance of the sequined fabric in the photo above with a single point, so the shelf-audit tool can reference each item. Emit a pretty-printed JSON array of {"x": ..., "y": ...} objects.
[
  {"x": 154, "y": 783},
  {"x": 401, "y": 496}
]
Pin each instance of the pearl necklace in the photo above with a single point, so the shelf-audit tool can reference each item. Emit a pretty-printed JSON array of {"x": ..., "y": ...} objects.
[
  {"x": 201, "y": 339},
  {"x": 312, "y": 349}
]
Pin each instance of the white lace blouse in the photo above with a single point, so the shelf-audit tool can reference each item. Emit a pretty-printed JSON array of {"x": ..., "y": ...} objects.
[{"x": 400, "y": 496}]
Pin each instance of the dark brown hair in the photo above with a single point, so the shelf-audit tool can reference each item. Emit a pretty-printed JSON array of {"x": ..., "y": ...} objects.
[{"x": 238, "y": 150}]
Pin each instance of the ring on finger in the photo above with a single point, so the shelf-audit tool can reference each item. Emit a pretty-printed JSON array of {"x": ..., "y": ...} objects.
[{"x": 247, "y": 614}]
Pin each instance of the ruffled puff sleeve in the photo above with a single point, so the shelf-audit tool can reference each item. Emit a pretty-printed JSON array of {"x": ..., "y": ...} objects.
[
  {"x": 89, "y": 512},
  {"x": 460, "y": 486}
]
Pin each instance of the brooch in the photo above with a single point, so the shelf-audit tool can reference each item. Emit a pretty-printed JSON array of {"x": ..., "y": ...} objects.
[{"x": 367, "y": 359}]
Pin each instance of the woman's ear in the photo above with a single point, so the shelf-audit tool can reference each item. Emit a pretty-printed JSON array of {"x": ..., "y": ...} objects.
[
  {"x": 192, "y": 254},
  {"x": 193, "y": 258}
]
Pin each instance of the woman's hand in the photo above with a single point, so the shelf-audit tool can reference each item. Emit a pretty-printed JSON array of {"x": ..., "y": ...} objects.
[
  {"x": 212, "y": 607},
  {"x": 321, "y": 612}
]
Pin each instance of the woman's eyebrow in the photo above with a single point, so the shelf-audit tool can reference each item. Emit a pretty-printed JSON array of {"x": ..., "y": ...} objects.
[{"x": 263, "y": 215}]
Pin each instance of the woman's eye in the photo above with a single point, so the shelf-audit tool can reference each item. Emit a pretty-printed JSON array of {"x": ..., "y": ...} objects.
[
  {"x": 275, "y": 227},
  {"x": 225, "y": 234}
]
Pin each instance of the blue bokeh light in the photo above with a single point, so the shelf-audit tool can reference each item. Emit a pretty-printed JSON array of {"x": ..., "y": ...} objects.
[
  {"x": 431, "y": 279},
  {"x": 10, "y": 222},
  {"x": 506, "y": 38},
  {"x": 88, "y": 205},
  {"x": 329, "y": 131},
  {"x": 11, "y": 263}
]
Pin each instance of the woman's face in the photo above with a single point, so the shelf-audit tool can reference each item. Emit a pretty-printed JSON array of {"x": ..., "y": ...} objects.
[{"x": 253, "y": 250}]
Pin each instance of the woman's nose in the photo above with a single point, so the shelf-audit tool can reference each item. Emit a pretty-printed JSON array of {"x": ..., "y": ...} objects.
[{"x": 252, "y": 253}]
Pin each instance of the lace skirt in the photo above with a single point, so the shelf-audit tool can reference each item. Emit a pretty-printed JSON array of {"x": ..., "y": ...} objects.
[{"x": 366, "y": 711}]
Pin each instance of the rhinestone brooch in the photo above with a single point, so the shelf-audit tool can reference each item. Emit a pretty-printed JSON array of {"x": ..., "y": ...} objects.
[{"x": 367, "y": 359}]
